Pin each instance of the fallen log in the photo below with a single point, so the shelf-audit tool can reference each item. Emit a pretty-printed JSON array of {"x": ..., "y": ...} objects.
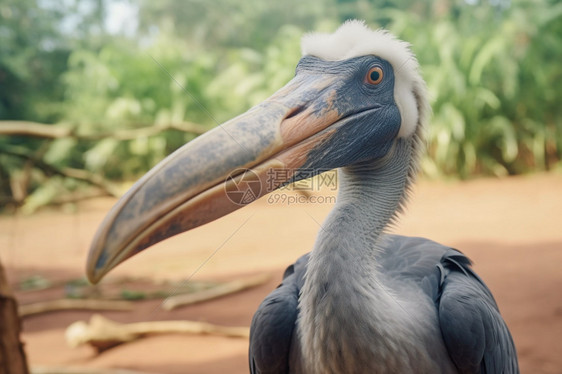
[
  {"x": 238, "y": 285},
  {"x": 102, "y": 333},
  {"x": 73, "y": 304}
]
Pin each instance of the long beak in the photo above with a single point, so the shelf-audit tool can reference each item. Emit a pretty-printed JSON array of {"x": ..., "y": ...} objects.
[{"x": 205, "y": 179}]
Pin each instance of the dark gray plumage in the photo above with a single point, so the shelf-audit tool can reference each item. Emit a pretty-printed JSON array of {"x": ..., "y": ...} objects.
[
  {"x": 273, "y": 325},
  {"x": 475, "y": 334}
]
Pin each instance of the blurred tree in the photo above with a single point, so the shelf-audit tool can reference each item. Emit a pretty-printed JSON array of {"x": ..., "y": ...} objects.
[
  {"x": 34, "y": 49},
  {"x": 225, "y": 24},
  {"x": 122, "y": 86},
  {"x": 532, "y": 106},
  {"x": 490, "y": 65}
]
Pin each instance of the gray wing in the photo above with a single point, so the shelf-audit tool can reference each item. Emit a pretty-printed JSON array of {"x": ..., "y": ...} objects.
[
  {"x": 475, "y": 334},
  {"x": 273, "y": 324}
]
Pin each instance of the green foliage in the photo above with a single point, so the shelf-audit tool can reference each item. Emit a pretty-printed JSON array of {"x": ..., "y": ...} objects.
[
  {"x": 489, "y": 107},
  {"x": 34, "y": 50},
  {"x": 133, "y": 295},
  {"x": 492, "y": 69},
  {"x": 122, "y": 86}
]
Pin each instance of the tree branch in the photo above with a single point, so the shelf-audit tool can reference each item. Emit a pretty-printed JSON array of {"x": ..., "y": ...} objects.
[
  {"x": 103, "y": 334},
  {"x": 42, "y": 130},
  {"x": 77, "y": 174},
  {"x": 39, "y": 130},
  {"x": 73, "y": 304},
  {"x": 238, "y": 285}
]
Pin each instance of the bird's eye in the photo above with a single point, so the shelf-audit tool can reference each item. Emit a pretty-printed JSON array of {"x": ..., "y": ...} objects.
[{"x": 375, "y": 75}]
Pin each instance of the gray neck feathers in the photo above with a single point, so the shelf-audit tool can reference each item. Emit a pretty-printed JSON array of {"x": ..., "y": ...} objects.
[{"x": 344, "y": 299}]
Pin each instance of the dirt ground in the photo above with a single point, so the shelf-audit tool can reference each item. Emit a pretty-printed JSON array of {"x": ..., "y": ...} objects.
[{"x": 510, "y": 227}]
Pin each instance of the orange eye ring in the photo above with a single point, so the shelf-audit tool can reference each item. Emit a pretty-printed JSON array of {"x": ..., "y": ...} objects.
[{"x": 375, "y": 75}]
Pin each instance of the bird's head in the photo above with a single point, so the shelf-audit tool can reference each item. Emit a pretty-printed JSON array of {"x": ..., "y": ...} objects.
[{"x": 355, "y": 94}]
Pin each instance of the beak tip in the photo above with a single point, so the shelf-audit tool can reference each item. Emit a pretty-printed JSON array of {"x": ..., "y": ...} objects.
[
  {"x": 92, "y": 276},
  {"x": 96, "y": 267}
]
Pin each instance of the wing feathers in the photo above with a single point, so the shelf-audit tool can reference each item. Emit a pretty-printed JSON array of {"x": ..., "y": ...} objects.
[
  {"x": 273, "y": 324},
  {"x": 474, "y": 332}
]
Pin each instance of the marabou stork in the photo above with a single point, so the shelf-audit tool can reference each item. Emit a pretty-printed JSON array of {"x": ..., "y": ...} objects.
[{"x": 362, "y": 301}]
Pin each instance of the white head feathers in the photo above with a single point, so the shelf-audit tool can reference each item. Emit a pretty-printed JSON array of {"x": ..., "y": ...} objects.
[{"x": 354, "y": 39}]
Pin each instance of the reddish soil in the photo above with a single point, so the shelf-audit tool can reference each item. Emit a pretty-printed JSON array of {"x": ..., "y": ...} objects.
[{"x": 510, "y": 227}]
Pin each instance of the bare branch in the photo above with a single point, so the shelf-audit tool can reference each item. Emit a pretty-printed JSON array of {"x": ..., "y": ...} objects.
[
  {"x": 73, "y": 304},
  {"x": 42, "y": 130},
  {"x": 39, "y": 130},
  {"x": 78, "y": 174},
  {"x": 218, "y": 291},
  {"x": 103, "y": 334}
]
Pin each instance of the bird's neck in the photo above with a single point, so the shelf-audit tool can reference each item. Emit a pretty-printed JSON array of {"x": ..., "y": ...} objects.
[
  {"x": 342, "y": 276},
  {"x": 370, "y": 196}
]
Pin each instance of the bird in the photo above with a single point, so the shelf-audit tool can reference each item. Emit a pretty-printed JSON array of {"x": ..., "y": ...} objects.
[{"x": 363, "y": 300}]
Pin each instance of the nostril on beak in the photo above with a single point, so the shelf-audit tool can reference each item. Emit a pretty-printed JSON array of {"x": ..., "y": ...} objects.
[{"x": 295, "y": 112}]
